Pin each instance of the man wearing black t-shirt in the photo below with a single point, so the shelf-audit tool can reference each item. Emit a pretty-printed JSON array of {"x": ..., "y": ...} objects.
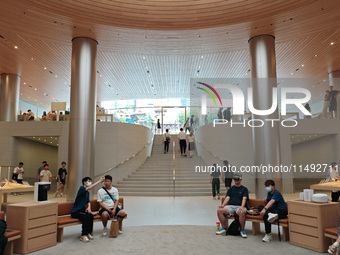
[{"x": 235, "y": 202}]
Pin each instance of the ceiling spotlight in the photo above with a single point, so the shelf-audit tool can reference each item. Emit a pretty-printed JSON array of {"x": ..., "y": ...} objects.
[
  {"x": 15, "y": 47},
  {"x": 24, "y": 83},
  {"x": 332, "y": 43},
  {"x": 56, "y": 76},
  {"x": 32, "y": 58},
  {"x": 202, "y": 57},
  {"x": 302, "y": 65},
  {"x": 45, "y": 67},
  {"x": 35, "y": 89},
  {"x": 315, "y": 55},
  {"x": 143, "y": 57}
]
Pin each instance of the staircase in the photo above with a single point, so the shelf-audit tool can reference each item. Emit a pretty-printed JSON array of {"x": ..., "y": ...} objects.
[{"x": 155, "y": 176}]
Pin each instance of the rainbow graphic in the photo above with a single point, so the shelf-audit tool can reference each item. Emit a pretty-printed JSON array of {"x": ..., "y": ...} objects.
[{"x": 209, "y": 93}]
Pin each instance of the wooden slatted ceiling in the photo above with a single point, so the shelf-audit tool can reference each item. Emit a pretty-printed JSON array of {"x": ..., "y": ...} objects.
[{"x": 44, "y": 30}]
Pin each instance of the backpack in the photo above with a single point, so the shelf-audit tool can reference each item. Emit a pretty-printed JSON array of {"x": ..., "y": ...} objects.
[
  {"x": 3, "y": 238},
  {"x": 234, "y": 228}
]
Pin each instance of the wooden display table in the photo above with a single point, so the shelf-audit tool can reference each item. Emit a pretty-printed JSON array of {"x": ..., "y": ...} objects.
[
  {"x": 326, "y": 186},
  {"x": 307, "y": 221},
  {"x": 11, "y": 187},
  {"x": 37, "y": 223}
]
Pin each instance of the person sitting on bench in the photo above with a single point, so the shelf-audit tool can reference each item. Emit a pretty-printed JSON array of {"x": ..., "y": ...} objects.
[
  {"x": 275, "y": 208},
  {"x": 108, "y": 199},
  {"x": 82, "y": 208},
  {"x": 237, "y": 196}
]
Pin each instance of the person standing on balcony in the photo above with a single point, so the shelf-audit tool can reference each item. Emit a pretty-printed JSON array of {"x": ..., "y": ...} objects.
[
  {"x": 326, "y": 102},
  {"x": 333, "y": 103}
]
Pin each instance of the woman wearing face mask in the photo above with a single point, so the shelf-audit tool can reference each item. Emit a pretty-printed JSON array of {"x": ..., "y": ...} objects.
[
  {"x": 82, "y": 208},
  {"x": 275, "y": 208}
]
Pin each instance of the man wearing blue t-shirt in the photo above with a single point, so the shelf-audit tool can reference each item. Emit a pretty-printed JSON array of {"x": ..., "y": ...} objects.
[
  {"x": 235, "y": 202},
  {"x": 82, "y": 208},
  {"x": 275, "y": 208}
]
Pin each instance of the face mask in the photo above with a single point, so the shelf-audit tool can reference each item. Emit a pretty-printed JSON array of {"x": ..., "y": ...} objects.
[
  {"x": 268, "y": 189},
  {"x": 88, "y": 184}
]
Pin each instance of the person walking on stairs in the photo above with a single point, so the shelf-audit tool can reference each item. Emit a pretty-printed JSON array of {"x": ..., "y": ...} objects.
[
  {"x": 182, "y": 141},
  {"x": 166, "y": 141}
]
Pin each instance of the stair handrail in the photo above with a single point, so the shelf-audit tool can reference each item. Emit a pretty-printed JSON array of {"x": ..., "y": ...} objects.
[
  {"x": 128, "y": 159},
  {"x": 174, "y": 168}
]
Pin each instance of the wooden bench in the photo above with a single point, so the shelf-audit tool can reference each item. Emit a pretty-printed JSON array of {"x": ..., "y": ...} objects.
[
  {"x": 65, "y": 219},
  {"x": 12, "y": 235},
  {"x": 257, "y": 219},
  {"x": 332, "y": 233}
]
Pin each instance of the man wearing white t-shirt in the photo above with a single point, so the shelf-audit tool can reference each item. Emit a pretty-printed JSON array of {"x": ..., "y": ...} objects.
[
  {"x": 108, "y": 199},
  {"x": 17, "y": 175}
]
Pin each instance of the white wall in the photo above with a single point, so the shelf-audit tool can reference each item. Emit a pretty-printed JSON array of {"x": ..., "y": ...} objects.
[
  {"x": 235, "y": 145},
  {"x": 115, "y": 142},
  {"x": 32, "y": 153}
]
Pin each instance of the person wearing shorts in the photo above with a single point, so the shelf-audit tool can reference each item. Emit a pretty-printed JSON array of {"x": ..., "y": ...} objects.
[
  {"x": 108, "y": 199},
  {"x": 234, "y": 203}
]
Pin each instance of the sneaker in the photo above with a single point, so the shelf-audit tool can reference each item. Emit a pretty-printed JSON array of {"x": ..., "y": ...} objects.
[
  {"x": 333, "y": 250},
  {"x": 267, "y": 238},
  {"x": 272, "y": 217},
  {"x": 243, "y": 234},
  {"x": 61, "y": 194},
  {"x": 222, "y": 231},
  {"x": 105, "y": 232},
  {"x": 56, "y": 194},
  {"x": 120, "y": 231},
  {"x": 84, "y": 239},
  {"x": 90, "y": 237}
]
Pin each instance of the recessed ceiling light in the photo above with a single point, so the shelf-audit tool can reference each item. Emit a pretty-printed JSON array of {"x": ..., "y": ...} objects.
[
  {"x": 32, "y": 58},
  {"x": 144, "y": 57},
  {"x": 202, "y": 57},
  {"x": 45, "y": 67},
  {"x": 57, "y": 143},
  {"x": 33, "y": 136},
  {"x": 56, "y": 76},
  {"x": 332, "y": 43},
  {"x": 51, "y": 137},
  {"x": 101, "y": 75},
  {"x": 302, "y": 65},
  {"x": 147, "y": 67},
  {"x": 44, "y": 140},
  {"x": 315, "y": 55},
  {"x": 15, "y": 47},
  {"x": 35, "y": 89},
  {"x": 50, "y": 142},
  {"x": 25, "y": 83},
  {"x": 291, "y": 73}
]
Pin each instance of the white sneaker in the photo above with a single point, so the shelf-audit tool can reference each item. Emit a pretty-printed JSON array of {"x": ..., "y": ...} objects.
[
  {"x": 222, "y": 231},
  {"x": 120, "y": 231},
  {"x": 272, "y": 217},
  {"x": 267, "y": 238},
  {"x": 90, "y": 237},
  {"x": 56, "y": 194},
  {"x": 105, "y": 231},
  {"x": 84, "y": 239},
  {"x": 61, "y": 194}
]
